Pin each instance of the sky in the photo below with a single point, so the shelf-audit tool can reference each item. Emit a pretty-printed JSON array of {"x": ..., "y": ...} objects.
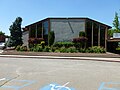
[{"x": 35, "y": 10}]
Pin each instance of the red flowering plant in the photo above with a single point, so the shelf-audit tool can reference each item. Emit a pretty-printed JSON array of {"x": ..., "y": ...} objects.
[
  {"x": 80, "y": 42},
  {"x": 34, "y": 41}
]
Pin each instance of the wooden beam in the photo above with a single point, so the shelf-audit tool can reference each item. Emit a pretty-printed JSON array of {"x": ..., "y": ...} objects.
[
  {"x": 99, "y": 36},
  {"x": 92, "y": 32}
]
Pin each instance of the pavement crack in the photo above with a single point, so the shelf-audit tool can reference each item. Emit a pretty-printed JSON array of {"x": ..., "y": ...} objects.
[{"x": 8, "y": 80}]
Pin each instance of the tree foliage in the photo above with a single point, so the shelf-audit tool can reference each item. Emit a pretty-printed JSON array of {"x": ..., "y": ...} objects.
[
  {"x": 16, "y": 33},
  {"x": 2, "y": 33},
  {"x": 116, "y": 23},
  {"x": 110, "y": 32}
]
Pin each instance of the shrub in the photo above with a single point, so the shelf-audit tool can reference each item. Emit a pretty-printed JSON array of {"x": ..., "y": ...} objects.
[
  {"x": 80, "y": 39},
  {"x": 71, "y": 50},
  {"x": 82, "y": 50},
  {"x": 54, "y": 48},
  {"x": 47, "y": 49},
  {"x": 35, "y": 40},
  {"x": 82, "y": 34},
  {"x": 18, "y": 48},
  {"x": 118, "y": 48},
  {"x": 51, "y": 38},
  {"x": 57, "y": 51},
  {"x": 21, "y": 48},
  {"x": 37, "y": 48},
  {"x": 80, "y": 42},
  {"x": 63, "y": 44},
  {"x": 96, "y": 49},
  {"x": 63, "y": 49}
]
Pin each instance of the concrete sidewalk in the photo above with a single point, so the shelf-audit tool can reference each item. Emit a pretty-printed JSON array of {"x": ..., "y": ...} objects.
[{"x": 108, "y": 57}]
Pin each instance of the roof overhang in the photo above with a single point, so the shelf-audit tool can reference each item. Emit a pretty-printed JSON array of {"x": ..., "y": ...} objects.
[{"x": 114, "y": 40}]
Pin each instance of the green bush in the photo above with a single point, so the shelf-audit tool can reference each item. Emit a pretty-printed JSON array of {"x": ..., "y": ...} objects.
[
  {"x": 63, "y": 44},
  {"x": 37, "y": 48},
  {"x": 57, "y": 51},
  {"x": 47, "y": 49},
  {"x": 21, "y": 48},
  {"x": 18, "y": 48},
  {"x": 82, "y": 34},
  {"x": 96, "y": 49},
  {"x": 118, "y": 48},
  {"x": 68, "y": 50},
  {"x": 51, "y": 38},
  {"x": 53, "y": 48},
  {"x": 63, "y": 50},
  {"x": 71, "y": 50},
  {"x": 83, "y": 50}
]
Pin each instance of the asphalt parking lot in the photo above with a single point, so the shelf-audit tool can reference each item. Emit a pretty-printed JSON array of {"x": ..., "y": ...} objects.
[{"x": 58, "y": 74}]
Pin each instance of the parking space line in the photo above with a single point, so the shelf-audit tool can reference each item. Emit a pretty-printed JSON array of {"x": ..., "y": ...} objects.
[
  {"x": 29, "y": 82},
  {"x": 103, "y": 87}
]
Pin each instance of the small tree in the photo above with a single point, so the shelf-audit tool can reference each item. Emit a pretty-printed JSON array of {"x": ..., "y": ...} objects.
[
  {"x": 16, "y": 33},
  {"x": 110, "y": 32},
  {"x": 116, "y": 23},
  {"x": 51, "y": 36}
]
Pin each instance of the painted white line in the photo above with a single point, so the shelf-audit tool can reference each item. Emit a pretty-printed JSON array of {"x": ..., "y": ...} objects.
[
  {"x": 64, "y": 86},
  {"x": 2, "y": 79}
]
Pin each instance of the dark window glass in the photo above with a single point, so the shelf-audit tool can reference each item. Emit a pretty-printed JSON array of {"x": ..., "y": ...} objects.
[
  {"x": 32, "y": 31},
  {"x": 39, "y": 30},
  {"x": 89, "y": 33},
  {"x": 102, "y": 36},
  {"x": 45, "y": 31},
  {"x": 95, "y": 34}
]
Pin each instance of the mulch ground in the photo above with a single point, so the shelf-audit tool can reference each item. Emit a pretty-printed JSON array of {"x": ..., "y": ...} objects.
[{"x": 14, "y": 52}]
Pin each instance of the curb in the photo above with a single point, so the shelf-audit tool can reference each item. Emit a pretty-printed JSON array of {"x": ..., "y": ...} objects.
[{"x": 106, "y": 59}]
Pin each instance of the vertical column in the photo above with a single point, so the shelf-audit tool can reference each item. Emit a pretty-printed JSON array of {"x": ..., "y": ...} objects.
[
  {"x": 86, "y": 44},
  {"x": 42, "y": 31},
  {"x": 92, "y": 32},
  {"x": 99, "y": 36},
  {"x": 106, "y": 38},
  {"x": 29, "y": 31},
  {"x": 36, "y": 31}
]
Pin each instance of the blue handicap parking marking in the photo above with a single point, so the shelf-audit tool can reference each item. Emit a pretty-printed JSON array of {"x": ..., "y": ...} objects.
[
  {"x": 55, "y": 86},
  {"x": 28, "y": 82},
  {"x": 104, "y": 86}
]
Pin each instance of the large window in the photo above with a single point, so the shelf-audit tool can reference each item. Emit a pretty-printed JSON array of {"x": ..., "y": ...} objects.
[
  {"x": 95, "y": 34},
  {"x": 102, "y": 36},
  {"x": 39, "y": 30},
  {"x": 45, "y": 31},
  {"x": 32, "y": 31},
  {"x": 89, "y": 33}
]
